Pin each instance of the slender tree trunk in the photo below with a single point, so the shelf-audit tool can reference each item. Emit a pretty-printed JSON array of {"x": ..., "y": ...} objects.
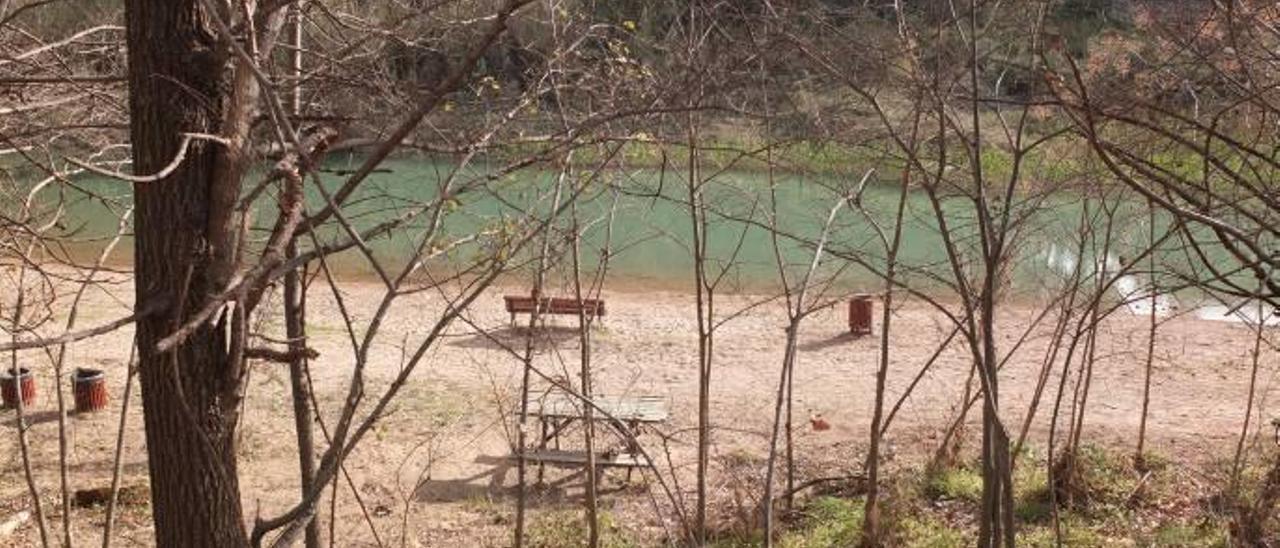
[
  {"x": 20, "y": 412},
  {"x": 117, "y": 465},
  {"x": 588, "y": 412},
  {"x": 295, "y": 318},
  {"x": 188, "y": 394},
  {"x": 1091, "y": 347},
  {"x": 295, "y": 313},
  {"x": 1139, "y": 459},
  {"x": 1237, "y": 463},
  {"x": 63, "y": 449},
  {"x": 871, "y": 510},
  {"x": 704, "y": 293},
  {"x": 996, "y": 522},
  {"x": 790, "y": 498},
  {"x": 704, "y": 301},
  {"x": 784, "y": 380},
  {"x": 522, "y": 430},
  {"x": 796, "y": 313}
]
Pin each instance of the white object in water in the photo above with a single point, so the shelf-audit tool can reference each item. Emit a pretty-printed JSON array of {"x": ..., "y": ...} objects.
[
  {"x": 1138, "y": 298},
  {"x": 1247, "y": 314},
  {"x": 1135, "y": 296},
  {"x": 1061, "y": 260}
]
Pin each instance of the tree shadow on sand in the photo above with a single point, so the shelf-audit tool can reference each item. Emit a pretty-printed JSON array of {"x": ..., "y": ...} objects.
[
  {"x": 513, "y": 337},
  {"x": 559, "y": 485},
  {"x": 32, "y": 418},
  {"x": 843, "y": 338}
]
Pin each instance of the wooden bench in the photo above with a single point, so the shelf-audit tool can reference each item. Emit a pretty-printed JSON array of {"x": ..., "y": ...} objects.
[{"x": 553, "y": 306}]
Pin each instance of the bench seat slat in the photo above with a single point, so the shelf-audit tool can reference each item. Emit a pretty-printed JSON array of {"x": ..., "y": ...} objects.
[
  {"x": 579, "y": 458},
  {"x": 642, "y": 408}
]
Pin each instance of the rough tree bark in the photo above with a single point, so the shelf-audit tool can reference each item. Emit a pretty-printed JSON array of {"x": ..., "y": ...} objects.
[{"x": 176, "y": 86}]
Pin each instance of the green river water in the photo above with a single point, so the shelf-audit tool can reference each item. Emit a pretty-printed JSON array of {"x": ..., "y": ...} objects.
[{"x": 651, "y": 231}]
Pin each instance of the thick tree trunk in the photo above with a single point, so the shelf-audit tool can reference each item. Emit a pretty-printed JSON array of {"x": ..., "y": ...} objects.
[{"x": 175, "y": 82}]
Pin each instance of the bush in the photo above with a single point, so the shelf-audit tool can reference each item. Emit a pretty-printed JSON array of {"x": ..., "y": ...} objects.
[
  {"x": 827, "y": 521},
  {"x": 1096, "y": 481},
  {"x": 953, "y": 483},
  {"x": 925, "y": 531},
  {"x": 568, "y": 529},
  {"x": 1186, "y": 535}
]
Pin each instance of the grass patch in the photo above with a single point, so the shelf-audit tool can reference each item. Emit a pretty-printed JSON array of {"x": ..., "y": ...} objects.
[
  {"x": 1189, "y": 535},
  {"x": 1031, "y": 492},
  {"x": 953, "y": 483},
  {"x": 827, "y": 521},
  {"x": 1033, "y": 506},
  {"x": 1115, "y": 505},
  {"x": 1097, "y": 482},
  {"x": 923, "y": 530},
  {"x": 1075, "y": 532},
  {"x": 568, "y": 529},
  {"x": 1151, "y": 461},
  {"x": 735, "y": 542}
]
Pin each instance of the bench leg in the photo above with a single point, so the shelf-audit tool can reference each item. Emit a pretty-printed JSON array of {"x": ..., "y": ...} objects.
[
  {"x": 542, "y": 444},
  {"x": 633, "y": 446}
]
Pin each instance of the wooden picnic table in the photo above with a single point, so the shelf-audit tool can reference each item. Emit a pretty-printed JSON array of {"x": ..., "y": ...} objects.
[
  {"x": 625, "y": 415},
  {"x": 639, "y": 409}
]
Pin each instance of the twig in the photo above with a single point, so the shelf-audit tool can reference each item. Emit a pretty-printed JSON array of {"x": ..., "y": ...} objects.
[
  {"x": 73, "y": 336},
  {"x": 117, "y": 465},
  {"x": 165, "y": 172}
]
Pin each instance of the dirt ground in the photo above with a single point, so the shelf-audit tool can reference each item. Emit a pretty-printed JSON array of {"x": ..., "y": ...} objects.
[{"x": 435, "y": 471}]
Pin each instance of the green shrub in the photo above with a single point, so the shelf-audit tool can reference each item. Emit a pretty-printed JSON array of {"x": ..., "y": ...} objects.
[
  {"x": 1100, "y": 481},
  {"x": 828, "y": 521},
  {"x": 953, "y": 483},
  {"x": 1031, "y": 492},
  {"x": 926, "y": 531},
  {"x": 568, "y": 529},
  {"x": 1074, "y": 533},
  {"x": 1186, "y": 535}
]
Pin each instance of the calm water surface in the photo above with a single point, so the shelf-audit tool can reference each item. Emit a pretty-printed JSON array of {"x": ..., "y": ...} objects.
[{"x": 649, "y": 232}]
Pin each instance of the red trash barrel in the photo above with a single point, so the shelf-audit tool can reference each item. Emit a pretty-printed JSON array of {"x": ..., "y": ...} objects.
[
  {"x": 9, "y": 391},
  {"x": 860, "y": 314},
  {"x": 90, "y": 386}
]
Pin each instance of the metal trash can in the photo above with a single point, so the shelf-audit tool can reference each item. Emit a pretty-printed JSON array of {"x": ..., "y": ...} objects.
[
  {"x": 9, "y": 383},
  {"x": 90, "y": 387},
  {"x": 860, "y": 314}
]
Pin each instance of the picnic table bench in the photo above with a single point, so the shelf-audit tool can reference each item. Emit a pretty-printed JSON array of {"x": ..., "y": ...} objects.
[
  {"x": 519, "y": 304},
  {"x": 625, "y": 415}
]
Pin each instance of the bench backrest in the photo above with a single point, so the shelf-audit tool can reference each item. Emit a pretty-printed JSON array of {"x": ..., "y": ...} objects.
[{"x": 555, "y": 305}]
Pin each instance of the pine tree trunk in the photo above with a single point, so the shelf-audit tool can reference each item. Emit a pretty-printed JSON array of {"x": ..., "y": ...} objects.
[{"x": 188, "y": 394}]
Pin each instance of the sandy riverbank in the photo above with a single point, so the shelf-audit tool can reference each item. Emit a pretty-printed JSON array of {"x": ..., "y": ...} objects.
[{"x": 447, "y": 427}]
